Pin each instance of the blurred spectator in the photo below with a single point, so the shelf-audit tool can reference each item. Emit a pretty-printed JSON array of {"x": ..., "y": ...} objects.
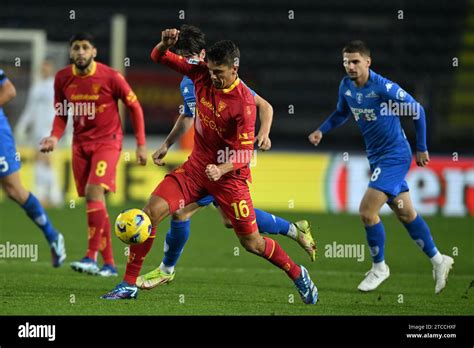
[{"x": 34, "y": 124}]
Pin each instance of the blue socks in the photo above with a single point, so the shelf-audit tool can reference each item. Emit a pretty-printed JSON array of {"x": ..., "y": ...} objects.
[
  {"x": 420, "y": 233},
  {"x": 376, "y": 241},
  {"x": 176, "y": 237},
  {"x": 269, "y": 223},
  {"x": 36, "y": 213}
]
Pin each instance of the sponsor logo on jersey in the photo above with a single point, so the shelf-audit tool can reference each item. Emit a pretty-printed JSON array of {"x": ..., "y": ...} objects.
[
  {"x": 372, "y": 94},
  {"x": 210, "y": 106},
  {"x": 365, "y": 114}
]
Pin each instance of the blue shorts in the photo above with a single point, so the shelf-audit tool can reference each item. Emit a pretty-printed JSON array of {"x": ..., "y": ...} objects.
[
  {"x": 388, "y": 175},
  {"x": 206, "y": 200},
  {"x": 9, "y": 160}
]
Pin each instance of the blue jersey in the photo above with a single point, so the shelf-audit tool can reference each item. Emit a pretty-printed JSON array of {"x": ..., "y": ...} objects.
[
  {"x": 187, "y": 91},
  {"x": 9, "y": 159},
  {"x": 4, "y": 125},
  {"x": 376, "y": 108}
]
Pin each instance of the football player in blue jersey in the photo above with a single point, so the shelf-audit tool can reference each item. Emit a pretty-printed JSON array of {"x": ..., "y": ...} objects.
[
  {"x": 376, "y": 104},
  {"x": 191, "y": 45},
  {"x": 10, "y": 178}
]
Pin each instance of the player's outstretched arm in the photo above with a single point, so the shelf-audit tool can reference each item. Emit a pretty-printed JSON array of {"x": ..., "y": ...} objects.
[
  {"x": 123, "y": 91},
  {"x": 336, "y": 119},
  {"x": 7, "y": 90},
  {"x": 161, "y": 54},
  {"x": 181, "y": 126},
  {"x": 422, "y": 155},
  {"x": 265, "y": 113}
]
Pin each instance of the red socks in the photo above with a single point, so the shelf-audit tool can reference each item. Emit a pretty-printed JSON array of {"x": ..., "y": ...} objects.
[
  {"x": 106, "y": 244},
  {"x": 276, "y": 255},
  {"x": 136, "y": 258},
  {"x": 96, "y": 216}
]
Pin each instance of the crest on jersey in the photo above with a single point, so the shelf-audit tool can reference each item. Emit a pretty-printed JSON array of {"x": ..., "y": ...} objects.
[
  {"x": 221, "y": 106},
  {"x": 359, "y": 98},
  {"x": 95, "y": 88},
  {"x": 249, "y": 110}
]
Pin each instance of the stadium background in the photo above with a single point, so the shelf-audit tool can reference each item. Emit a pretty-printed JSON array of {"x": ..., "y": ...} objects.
[{"x": 291, "y": 55}]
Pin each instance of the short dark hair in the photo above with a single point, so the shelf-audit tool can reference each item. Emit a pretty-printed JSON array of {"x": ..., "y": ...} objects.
[
  {"x": 357, "y": 46},
  {"x": 224, "y": 52},
  {"x": 83, "y": 36},
  {"x": 191, "y": 40}
]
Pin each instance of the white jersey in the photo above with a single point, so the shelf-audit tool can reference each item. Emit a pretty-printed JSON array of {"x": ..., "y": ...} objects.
[{"x": 38, "y": 114}]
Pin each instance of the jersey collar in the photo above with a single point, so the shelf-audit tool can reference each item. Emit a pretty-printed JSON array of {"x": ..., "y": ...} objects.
[
  {"x": 92, "y": 72},
  {"x": 369, "y": 81},
  {"x": 232, "y": 86}
]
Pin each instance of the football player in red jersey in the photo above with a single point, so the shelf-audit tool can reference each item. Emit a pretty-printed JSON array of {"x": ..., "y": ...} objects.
[
  {"x": 225, "y": 124},
  {"x": 89, "y": 91}
]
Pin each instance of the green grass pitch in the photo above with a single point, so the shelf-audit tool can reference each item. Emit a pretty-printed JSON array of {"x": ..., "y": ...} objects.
[{"x": 216, "y": 276}]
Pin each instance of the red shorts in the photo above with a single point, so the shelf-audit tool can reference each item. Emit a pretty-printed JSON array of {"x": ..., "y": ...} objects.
[
  {"x": 95, "y": 163},
  {"x": 187, "y": 184}
]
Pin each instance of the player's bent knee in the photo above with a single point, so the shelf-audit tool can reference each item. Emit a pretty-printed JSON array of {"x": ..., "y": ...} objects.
[
  {"x": 95, "y": 193},
  {"x": 14, "y": 192},
  {"x": 368, "y": 218},
  {"x": 253, "y": 243},
  {"x": 157, "y": 209},
  {"x": 181, "y": 216},
  {"x": 407, "y": 217}
]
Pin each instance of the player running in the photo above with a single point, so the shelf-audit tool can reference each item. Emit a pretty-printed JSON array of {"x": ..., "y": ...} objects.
[
  {"x": 90, "y": 91},
  {"x": 367, "y": 96},
  {"x": 11, "y": 183},
  {"x": 191, "y": 45},
  {"x": 225, "y": 120}
]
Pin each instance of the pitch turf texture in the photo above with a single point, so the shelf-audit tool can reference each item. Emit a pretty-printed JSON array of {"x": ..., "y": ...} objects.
[{"x": 211, "y": 280}]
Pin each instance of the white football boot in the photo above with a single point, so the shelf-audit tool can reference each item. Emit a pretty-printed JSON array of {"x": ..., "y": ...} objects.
[
  {"x": 440, "y": 273},
  {"x": 373, "y": 279}
]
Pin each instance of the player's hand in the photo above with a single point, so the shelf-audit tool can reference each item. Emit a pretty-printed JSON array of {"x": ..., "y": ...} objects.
[
  {"x": 141, "y": 155},
  {"x": 263, "y": 142},
  {"x": 422, "y": 158},
  {"x": 159, "y": 155},
  {"x": 315, "y": 137},
  {"x": 213, "y": 172},
  {"x": 169, "y": 37},
  {"x": 48, "y": 144}
]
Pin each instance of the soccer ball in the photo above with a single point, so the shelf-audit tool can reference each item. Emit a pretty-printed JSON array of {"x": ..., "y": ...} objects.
[{"x": 133, "y": 226}]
